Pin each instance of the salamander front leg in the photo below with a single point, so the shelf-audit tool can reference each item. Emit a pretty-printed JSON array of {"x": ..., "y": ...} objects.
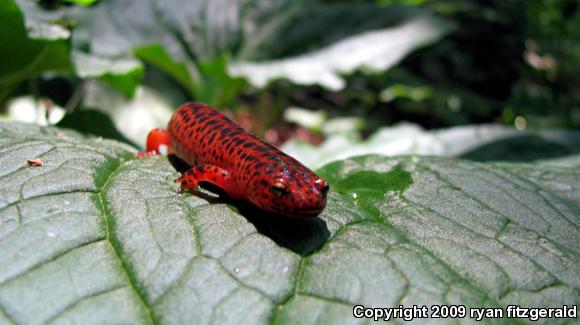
[
  {"x": 158, "y": 142},
  {"x": 211, "y": 174}
]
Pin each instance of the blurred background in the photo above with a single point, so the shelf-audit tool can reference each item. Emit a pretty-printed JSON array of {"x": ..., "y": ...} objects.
[{"x": 324, "y": 79}]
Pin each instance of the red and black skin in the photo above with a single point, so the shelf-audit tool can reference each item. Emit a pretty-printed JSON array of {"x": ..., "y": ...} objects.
[{"x": 245, "y": 167}]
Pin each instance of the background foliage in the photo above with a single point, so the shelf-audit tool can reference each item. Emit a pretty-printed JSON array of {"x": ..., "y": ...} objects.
[{"x": 488, "y": 62}]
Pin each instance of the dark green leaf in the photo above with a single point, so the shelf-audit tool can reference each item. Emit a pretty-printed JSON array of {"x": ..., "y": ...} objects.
[
  {"x": 27, "y": 51},
  {"x": 81, "y": 2},
  {"x": 157, "y": 56},
  {"x": 207, "y": 81},
  {"x": 214, "y": 85}
]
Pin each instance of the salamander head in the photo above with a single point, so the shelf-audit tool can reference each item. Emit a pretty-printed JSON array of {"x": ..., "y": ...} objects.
[{"x": 294, "y": 193}]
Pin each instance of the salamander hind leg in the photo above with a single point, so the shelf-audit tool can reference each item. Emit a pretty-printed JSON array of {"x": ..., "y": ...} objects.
[
  {"x": 158, "y": 142},
  {"x": 211, "y": 174}
]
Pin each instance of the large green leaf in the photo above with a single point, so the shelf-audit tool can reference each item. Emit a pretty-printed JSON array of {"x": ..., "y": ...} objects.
[
  {"x": 95, "y": 236},
  {"x": 376, "y": 50}
]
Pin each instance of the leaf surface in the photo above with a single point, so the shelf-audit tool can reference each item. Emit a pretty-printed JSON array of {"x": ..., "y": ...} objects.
[{"x": 95, "y": 236}]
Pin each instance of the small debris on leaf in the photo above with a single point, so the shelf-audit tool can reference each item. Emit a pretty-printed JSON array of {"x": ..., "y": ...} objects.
[
  {"x": 60, "y": 134},
  {"x": 34, "y": 162}
]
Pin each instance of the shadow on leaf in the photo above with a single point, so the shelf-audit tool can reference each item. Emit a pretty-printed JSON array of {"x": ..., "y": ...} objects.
[{"x": 303, "y": 236}]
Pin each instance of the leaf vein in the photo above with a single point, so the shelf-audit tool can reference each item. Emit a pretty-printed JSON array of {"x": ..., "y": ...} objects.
[{"x": 115, "y": 245}]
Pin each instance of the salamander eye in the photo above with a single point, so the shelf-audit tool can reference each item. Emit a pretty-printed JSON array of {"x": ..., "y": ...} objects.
[
  {"x": 278, "y": 188},
  {"x": 325, "y": 187}
]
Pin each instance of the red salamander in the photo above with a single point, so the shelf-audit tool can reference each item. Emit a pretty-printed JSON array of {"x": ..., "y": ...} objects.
[{"x": 245, "y": 167}]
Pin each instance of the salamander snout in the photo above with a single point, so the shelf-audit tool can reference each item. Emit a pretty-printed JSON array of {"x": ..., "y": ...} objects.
[{"x": 320, "y": 192}]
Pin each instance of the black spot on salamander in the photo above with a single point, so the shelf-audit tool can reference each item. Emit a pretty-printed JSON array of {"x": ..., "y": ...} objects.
[
  {"x": 248, "y": 145},
  {"x": 262, "y": 148},
  {"x": 195, "y": 112},
  {"x": 211, "y": 138},
  {"x": 270, "y": 156},
  {"x": 216, "y": 127},
  {"x": 202, "y": 128},
  {"x": 186, "y": 117},
  {"x": 240, "y": 141}
]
